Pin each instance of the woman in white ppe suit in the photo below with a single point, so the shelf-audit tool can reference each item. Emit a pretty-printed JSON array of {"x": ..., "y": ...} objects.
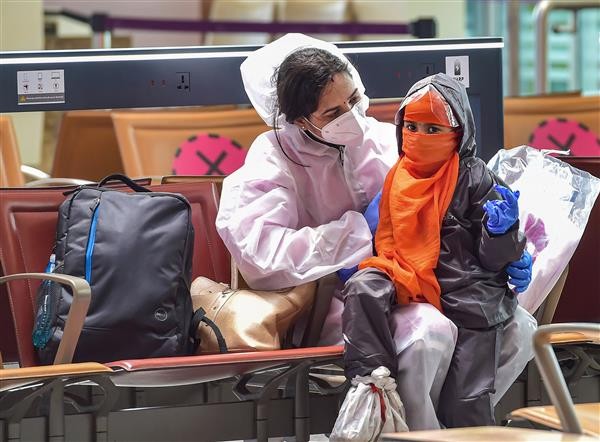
[{"x": 293, "y": 212}]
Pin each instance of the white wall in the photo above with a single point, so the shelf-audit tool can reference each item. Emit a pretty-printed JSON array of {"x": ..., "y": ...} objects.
[
  {"x": 151, "y": 9},
  {"x": 21, "y": 28},
  {"x": 450, "y": 15}
]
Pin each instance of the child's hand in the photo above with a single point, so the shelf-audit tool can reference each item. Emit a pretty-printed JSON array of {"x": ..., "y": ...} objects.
[
  {"x": 519, "y": 272},
  {"x": 502, "y": 214}
]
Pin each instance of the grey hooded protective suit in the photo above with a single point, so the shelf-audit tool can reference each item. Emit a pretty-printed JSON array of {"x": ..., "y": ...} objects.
[{"x": 472, "y": 277}]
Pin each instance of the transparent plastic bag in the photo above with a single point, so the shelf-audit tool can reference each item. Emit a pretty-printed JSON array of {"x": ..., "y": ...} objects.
[
  {"x": 554, "y": 207},
  {"x": 372, "y": 406},
  {"x": 46, "y": 300}
]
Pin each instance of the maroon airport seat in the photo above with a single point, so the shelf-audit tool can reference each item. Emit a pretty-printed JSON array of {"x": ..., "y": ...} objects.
[{"x": 27, "y": 228}]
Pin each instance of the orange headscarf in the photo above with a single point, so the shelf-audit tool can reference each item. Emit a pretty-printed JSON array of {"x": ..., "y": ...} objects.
[{"x": 416, "y": 195}]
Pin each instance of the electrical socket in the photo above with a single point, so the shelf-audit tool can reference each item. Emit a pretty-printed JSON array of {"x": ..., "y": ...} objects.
[
  {"x": 427, "y": 69},
  {"x": 183, "y": 81}
]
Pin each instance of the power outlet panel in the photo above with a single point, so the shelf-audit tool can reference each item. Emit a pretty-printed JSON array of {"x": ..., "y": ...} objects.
[{"x": 183, "y": 81}]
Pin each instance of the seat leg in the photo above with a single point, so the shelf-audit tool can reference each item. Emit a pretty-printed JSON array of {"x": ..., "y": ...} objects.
[
  {"x": 301, "y": 406},
  {"x": 14, "y": 410},
  {"x": 262, "y": 398},
  {"x": 111, "y": 394},
  {"x": 533, "y": 386},
  {"x": 56, "y": 416}
]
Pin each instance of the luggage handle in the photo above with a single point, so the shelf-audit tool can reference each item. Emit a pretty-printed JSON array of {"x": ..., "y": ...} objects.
[
  {"x": 234, "y": 282},
  {"x": 200, "y": 316},
  {"x": 125, "y": 180}
]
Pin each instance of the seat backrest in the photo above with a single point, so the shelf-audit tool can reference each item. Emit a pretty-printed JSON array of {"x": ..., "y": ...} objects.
[
  {"x": 308, "y": 11},
  {"x": 180, "y": 179},
  {"x": 394, "y": 12},
  {"x": 238, "y": 11},
  {"x": 553, "y": 122},
  {"x": 8, "y": 340},
  {"x": 28, "y": 227},
  {"x": 211, "y": 258},
  {"x": 385, "y": 112},
  {"x": 10, "y": 160},
  {"x": 578, "y": 303},
  {"x": 148, "y": 141},
  {"x": 87, "y": 146}
]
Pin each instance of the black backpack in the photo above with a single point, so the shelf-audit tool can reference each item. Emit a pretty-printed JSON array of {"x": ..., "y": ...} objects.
[{"x": 135, "y": 250}]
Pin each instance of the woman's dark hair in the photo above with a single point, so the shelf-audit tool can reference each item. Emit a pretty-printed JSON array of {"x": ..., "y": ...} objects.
[{"x": 300, "y": 80}]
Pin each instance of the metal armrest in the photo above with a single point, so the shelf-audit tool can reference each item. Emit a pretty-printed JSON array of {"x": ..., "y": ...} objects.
[
  {"x": 49, "y": 182},
  {"x": 77, "y": 313},
  {"x": 550, "y": 369},
  {"x": 38, "y": 178},
  {"x": 545, "y": 313},
  {"x": 32, "y": 173}
]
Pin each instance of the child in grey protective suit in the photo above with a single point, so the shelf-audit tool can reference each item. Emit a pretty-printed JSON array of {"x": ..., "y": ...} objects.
[{"x": 448, "y": 228}]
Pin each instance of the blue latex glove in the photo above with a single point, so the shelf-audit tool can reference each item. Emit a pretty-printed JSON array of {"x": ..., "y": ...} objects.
[
  {"x": 502, "y": 214},
  {"x": 519, "y": 272},
  {"x": 372, "y": 213},
  {"x": 372, "y": 216},
  {"x": 345, "y": 274}
]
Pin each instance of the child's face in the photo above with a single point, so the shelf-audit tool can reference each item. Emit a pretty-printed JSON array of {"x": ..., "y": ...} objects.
[{"x": 426, "y": 128}]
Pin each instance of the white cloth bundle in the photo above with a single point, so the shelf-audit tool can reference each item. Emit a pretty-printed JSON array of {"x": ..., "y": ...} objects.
[{"x": 372, "y": 406}]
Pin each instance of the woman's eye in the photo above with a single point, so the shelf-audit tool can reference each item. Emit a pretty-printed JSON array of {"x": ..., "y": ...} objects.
[
  {"x": 433, "y": 130},
  {"x": 330, "y": 117},
  {"x": 411, "y": 127}
]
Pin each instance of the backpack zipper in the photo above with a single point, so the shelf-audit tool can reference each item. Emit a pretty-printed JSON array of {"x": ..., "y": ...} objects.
[{"x": 89, "y": 250}]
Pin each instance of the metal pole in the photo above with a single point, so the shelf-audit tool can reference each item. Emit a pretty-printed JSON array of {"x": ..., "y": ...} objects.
[
  {"x": 514, "y": 25},
  {"x": 56, "y": 416},
  {"x": 97, "y": 40},
  {"x": 301, "y": 406},
  {"x": 577, "y": 46},
  {"x": 106, "y": 40},
  {"x": 102, "y": 40},
  {"x": 551, "y": 372},
  {"x": 540, "y": 13},
  {"x": 485, "y": 18},
  {"x": 101, "y": 32}
]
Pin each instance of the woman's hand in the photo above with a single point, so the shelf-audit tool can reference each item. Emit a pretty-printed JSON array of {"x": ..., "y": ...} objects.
[
  {"x": 345, "y": 274},
  {"x": 372, "y": 213}
]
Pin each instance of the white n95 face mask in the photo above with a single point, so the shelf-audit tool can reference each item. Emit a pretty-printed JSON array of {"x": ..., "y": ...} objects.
[{"x": 346, "y": 129}]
